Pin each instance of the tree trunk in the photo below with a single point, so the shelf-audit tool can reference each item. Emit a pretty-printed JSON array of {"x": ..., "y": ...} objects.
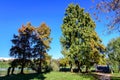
[
  {"x": 40, "y": 67},
  {"x": 8, "y": 71},
  {"x": 71, "y": 67},
  {"x": 119, "y": 67},
  {"x": 78, "y": 64},
  {"x": 13, "y": 70},
  {"x": 22, "y": 69},
  {"x": 86, "y": 69}
]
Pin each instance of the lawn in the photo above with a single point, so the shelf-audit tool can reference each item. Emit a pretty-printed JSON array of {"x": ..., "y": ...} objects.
[
  {"x": 115, "y": 76},
  {"x": 49, "y": 76},
  {"x": 4, "y": 64}
]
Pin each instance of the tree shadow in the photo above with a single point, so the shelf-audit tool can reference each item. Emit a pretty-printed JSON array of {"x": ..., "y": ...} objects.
[
  {"x": 114, "y": 78},
  {"x": 89, "y": 75},
  {"x": 23, "y": 77}
]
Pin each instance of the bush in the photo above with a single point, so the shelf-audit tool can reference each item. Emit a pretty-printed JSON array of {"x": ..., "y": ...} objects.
[{"x": 54, "y": 66}]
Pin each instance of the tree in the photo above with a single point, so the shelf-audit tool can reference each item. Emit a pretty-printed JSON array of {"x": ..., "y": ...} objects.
[
  {"x": 41, "y": 44},
  {"x": 21, "y": 48},
  {"x": 113, "y": 50},
  {"x": 79, "y": 41},
  {"x": 30, "y": 47},
  {"x": 63, "y": 62},
  {"x": 112, "y": 10}
]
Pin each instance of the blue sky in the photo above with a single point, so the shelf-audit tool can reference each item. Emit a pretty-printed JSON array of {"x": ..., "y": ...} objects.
[{"x": 14, "y": 13}]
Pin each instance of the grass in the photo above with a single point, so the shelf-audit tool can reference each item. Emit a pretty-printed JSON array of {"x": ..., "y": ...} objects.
[
  {"x": 4, "y": 64},
  {"x": 49, "y": 76},
  {"x": 115, "y": 76},
  {"x": 68, "y": 76}
]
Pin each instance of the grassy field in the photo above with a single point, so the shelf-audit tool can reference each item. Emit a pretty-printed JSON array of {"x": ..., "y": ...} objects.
[
  {"x": 4, "y": 64},
  {"x": 49, "y": 76},
  {"x": 30, "y": 75},
  {"x": 115, "y": 76}
]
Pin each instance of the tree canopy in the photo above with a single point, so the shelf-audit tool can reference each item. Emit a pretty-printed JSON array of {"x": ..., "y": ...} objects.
[
  {"x": 31, "y": 45},
  {"x": 113, "y": 51},
  {"x": 79, "y": 40}
]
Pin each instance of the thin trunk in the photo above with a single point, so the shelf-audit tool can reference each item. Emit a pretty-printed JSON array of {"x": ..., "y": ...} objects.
[
  {"x": 22, "y": 69},
  {"x": 119, "y": 67},
  {"x": 40, "y": 66},
  {"x": 23, "y": 64},
  {"x": 79, "y": 70},
  {"x": 8, "y": 71},
  {"x": 87, "y": 69},
  {"x": 13, "y": 70},
  {"x": 71, "y": 67}
]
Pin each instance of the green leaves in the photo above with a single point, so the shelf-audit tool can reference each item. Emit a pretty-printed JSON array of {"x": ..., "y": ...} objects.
[
  {"x": 113, "y": 49},
  {"x": 79, "y": 37}
]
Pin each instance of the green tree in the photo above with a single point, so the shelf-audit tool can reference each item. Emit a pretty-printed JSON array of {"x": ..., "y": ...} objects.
[
  {"x": 21, "y": 45},
  {"x": 41, "y": 45},
  {"x": 80, "y": 42},
  {"x": 113, "y": 50},
  {"x": 63, "y": 62}
]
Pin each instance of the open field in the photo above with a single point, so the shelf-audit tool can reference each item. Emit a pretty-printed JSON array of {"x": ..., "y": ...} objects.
[
  {"x": 31, "y": 75},
  {"x": 49, "y": 76},
  {"x": 4, "y": 64}
]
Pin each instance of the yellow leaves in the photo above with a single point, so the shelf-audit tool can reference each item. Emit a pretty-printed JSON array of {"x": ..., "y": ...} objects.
[
  {"x": 46, "y": 43},
  {"x": 28, "y": 27},
  {"x": 22, "y": 29},
  {"x": 43, "y": 30}
]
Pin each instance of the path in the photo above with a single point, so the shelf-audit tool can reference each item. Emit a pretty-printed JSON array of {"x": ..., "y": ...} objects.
[{"x": 103, "y": 76}]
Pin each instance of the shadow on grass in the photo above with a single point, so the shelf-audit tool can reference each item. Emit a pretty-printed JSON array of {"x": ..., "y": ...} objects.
[
  {"x": 115, "y": 78},
  {"x": 90, "y": 75},
  {"x": 24, "y": 77}
]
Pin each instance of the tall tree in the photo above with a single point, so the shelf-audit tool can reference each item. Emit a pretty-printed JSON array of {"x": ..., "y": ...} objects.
[
  {"x": 41, "y": 45},
  {"x": 80, "y": 42},
  {"x": 113, "y": 50},
  {"x": 21, "y": 48}
]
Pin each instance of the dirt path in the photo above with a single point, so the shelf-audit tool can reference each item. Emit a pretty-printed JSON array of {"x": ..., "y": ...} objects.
[{"x": 103, "y": 76}]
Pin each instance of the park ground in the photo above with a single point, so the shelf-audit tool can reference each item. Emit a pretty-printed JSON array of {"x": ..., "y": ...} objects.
[
  {"x": 60, "y": 76},
  {"x": 55, "y": 75}
]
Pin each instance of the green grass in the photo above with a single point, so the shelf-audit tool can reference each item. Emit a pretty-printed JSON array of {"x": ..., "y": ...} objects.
[
  {"x": 4, "y": 64},
  {"x": 68, "y": 76},
  {"x": 49, "y": 76},
  {"x": 115, "y": 76}
]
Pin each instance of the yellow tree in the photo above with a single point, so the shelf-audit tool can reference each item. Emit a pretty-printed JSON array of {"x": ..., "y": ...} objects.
[{"x": 41, "y": 45}]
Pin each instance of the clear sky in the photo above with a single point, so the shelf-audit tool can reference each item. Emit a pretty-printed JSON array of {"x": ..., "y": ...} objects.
[{"x": 14, "y": 13}]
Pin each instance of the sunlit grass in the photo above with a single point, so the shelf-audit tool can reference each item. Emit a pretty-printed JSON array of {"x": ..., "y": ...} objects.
[
  {"x": 115, "y": 76},
  {"x": 49, "y": 76},
  {"x": 4, "y": 64}
]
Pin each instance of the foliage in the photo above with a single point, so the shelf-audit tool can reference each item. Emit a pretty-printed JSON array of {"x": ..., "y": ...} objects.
[
  {"x": 30, "y": 47},
  {"x": 63, "y": 62},
  {"x": 113, "y": 51},
  {"x": 21, "y": 48},
  {"x": 80, "y": 42},
  {"x": 41, "y": 45},
  {"x": 55, "y": 65}
]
